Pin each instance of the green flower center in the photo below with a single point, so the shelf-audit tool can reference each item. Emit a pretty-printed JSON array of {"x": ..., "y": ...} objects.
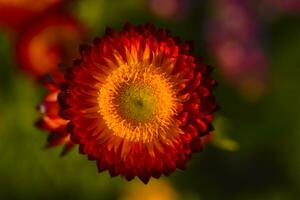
[{"x": 137, "y": 103}]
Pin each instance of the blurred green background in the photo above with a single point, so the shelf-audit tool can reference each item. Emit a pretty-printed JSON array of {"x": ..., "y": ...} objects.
[{"x": 260, "y": 161}]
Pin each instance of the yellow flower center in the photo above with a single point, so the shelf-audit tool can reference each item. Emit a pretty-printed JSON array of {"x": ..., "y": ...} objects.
[{"x": 138, "y": 103}]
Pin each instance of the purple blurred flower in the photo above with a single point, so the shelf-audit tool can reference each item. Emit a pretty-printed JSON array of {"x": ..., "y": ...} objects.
[{"x": 233, "y": 39}]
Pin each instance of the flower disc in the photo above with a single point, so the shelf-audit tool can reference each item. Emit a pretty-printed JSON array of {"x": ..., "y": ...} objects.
[{"x": 139, "y": 103}]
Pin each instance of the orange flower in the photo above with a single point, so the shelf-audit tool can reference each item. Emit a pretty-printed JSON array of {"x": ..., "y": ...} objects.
[
  {"x": 139, "y": 102},
  {"x": 48, "y": 42},
  {"x": 50, "y": 120}
]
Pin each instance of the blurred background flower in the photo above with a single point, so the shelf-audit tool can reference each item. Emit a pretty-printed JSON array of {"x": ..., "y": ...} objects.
[
  {"x": 49, "y": 42},
  {"x": 233, "y": 38}
]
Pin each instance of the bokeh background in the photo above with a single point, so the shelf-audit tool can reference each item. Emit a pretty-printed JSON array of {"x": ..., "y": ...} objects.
[{"x": 254, "y": 47}]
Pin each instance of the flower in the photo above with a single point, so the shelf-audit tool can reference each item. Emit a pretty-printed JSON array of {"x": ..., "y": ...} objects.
[
  {"x": 14, "y": 13},
  {"x": 139, "y": 102},
  {"x": 48, "y": 42},
  {"x": 233, "y": 39},
  {"x": 50, "y": 120}
]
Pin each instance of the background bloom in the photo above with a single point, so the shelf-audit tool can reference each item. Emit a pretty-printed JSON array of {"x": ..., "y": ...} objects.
[
  {"x": 48, "y": 42},
  {"x": 232, "y": 39},
  {"x": 139, "y": 102}
]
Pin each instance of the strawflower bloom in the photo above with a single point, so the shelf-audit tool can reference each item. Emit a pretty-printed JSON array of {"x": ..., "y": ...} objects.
[
  {"x": 50, "y": 119},
  {"x": 48, "y": 42},
  {"x": 139, "y": 102}
]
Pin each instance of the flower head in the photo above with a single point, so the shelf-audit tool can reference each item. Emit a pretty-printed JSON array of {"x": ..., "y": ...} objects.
[
  {"x": 50, "y": 120},
  {"x": 139, "y": 102},
  {"x": 48, "y": 42}
]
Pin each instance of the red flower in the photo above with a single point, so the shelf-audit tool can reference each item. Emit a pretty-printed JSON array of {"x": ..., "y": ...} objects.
[
  {"x": 50, "y": 120},
  {"x": 139, "y": 102},
  {"x": 47, "y": 42},
  {"x": 14, "y": 13}
]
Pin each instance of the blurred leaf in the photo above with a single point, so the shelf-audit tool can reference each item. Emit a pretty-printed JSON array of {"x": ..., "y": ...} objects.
[{"x": 220, "y": 139}]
